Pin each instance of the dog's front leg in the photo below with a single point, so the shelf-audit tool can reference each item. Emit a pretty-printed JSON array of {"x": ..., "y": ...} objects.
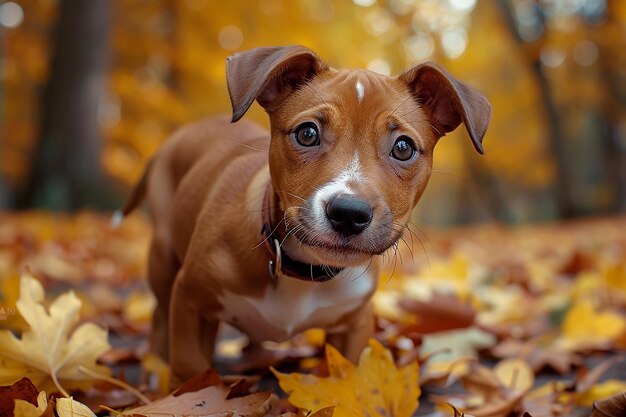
[
  {"x": 190, "y": 334},
  {"x": 357, "y": 330}
]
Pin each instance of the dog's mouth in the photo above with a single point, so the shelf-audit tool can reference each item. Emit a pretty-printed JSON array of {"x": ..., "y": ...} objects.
[
  {"x": 337, "y": 251},
  {"x": 336, "y": 248}
]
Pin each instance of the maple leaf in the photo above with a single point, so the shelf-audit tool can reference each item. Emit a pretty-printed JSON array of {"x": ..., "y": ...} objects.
[
  {"x": 375, "y": 388},
  {"x": 47, "y": 353}
]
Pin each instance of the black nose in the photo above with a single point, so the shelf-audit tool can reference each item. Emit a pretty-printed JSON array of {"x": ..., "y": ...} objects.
[{"x": 348, "y": 214}]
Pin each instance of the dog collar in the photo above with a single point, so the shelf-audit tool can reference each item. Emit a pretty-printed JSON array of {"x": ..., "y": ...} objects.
[{"x": 279, "y": 262}]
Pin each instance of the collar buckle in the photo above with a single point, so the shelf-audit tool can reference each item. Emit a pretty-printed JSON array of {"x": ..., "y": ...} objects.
[{"x": 275, "y": 266}]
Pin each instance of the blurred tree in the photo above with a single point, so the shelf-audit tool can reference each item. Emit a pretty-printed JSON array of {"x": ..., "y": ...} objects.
[
  {"x": 576, "y": 50},
  {"x": 66, "y": 173},
  {"x": 554, "y": 71},
  {"x": 26, "y": 28}
]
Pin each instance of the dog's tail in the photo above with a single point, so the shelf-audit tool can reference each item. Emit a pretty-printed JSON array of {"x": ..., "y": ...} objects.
[{"x": 137, "y": 195}]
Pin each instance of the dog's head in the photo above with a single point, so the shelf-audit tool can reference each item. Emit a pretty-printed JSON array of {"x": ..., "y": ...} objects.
[{"x": 351, "y": 150}]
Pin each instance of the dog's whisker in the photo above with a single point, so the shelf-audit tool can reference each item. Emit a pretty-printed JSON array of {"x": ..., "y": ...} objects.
[
  {"x": 262, "y": 242},
  {"x": 393, "y": 270},
  {"x": 400, "y": 105},
  {"x": 450, "y": 174},
  {"x": 315, "y": 92},
  {"x": 245, "y": 145},
  {"x": 420, "y": 242}
]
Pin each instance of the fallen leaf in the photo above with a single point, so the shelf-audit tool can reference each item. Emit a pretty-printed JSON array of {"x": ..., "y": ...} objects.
[
  {"x": 375, "y": 388},
  {"x": 497, "y": 392},
  {"x": 49, "y": 352},
  {"x": 586, "y": 379},
  {"x": 138, "y": 308},
  {"x": 439, "y": 313},
  {"x": 110, "y": 396},
  {"x": 538, "y": 355},
  {"x": 587, "y": 327},
  {"x": 204, "y": 395},
  {"x": 26, "y": 409},
  {"x": 23, "y": 390},
  {"x": 614, "y": 406},
  {"x": 515, "y": 374},
  {"x": 452, "y": 345},
  {"x": 601, "y": 391},
  {"x": 67, "y": 407},
  {"x": 159, "y": 372}
]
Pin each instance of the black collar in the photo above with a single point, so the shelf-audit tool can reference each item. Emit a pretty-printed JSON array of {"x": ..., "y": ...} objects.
[{"x": 279, "y": 262}]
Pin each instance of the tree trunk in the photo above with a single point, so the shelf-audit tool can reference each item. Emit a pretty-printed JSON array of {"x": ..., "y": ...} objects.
[
  {"x": 563, "y": 187},
  {"x": 66, "y": 173}
]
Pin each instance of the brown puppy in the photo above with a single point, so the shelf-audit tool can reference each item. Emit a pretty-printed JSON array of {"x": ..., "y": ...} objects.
[{"x": 279, "y": 232}]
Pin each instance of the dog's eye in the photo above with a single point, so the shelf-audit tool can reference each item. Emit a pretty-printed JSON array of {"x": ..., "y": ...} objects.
[
  {"x": 403, "y": 149},
  {"x": 307, "y": 134}
]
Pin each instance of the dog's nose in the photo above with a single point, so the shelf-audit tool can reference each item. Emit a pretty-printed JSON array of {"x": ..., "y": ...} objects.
[{"x": 348, "y": 214}]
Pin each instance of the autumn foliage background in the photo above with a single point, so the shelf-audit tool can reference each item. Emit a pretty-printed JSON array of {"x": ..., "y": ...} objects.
[
  {"x": 90, "y": 93},
  {"x": 533, "y": 281}
]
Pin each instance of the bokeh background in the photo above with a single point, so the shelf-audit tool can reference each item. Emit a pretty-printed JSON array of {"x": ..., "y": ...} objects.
[{"x": 90, "y": 89}]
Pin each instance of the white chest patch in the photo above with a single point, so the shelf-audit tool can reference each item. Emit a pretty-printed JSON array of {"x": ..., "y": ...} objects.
[
  {"x": 293, "y": 306},
  {"x": 360, "y": 91}
]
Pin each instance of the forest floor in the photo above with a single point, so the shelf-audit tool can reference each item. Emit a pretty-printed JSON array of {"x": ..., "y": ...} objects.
[{"x": 500, "y": 320}]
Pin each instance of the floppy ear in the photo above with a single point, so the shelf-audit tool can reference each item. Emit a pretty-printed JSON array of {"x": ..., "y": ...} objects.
[
  {"x": 267, "y": 74},
  {"x": 448, "y": 101}
]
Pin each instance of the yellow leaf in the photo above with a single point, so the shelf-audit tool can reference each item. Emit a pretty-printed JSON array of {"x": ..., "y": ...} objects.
[
  {"x": 67, "y": 407},
  {"x": 25, "y": 409},
  {"x": 375, "y": 388},
  {"x": 157, "y": 366},
  {"x": 338, "y": 366},
  {"x": 49, "y": 353},
  {"x": 587, "y": 327},
  {"x": 515, "y": 374},
  {"x": 139, "y": 306},
  {"x": 601, "y": 391}
]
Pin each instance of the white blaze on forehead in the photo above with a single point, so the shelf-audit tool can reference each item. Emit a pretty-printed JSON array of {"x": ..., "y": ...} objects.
[{"x": 360, "y": 90}]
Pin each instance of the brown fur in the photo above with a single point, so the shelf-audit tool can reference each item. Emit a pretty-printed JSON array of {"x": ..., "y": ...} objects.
[{"x": 205, "y": 189}]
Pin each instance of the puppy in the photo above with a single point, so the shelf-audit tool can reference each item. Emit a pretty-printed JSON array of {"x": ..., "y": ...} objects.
[{"x": 280, "y": 232}]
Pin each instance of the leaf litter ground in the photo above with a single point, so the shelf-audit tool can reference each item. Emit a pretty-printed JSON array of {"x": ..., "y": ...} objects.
[{"x": 500, "y": 321}]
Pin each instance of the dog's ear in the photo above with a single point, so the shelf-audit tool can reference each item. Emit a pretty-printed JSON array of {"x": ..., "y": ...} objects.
[
  {"x": 267, "y": 74},
  {"x": 448, "y": 101}
]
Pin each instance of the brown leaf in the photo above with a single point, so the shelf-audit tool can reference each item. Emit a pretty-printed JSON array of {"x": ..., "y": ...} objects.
[
  {"x": 239, "y": 388},
  {"x": 205, "y": 379},
  {"x": 586, "y": 379},
  {"x": 499, "y": 407},
  {"x": 206, "y": 402},
  {"x": 483, "y": 381},
  {"x": 457, "y": 413},
  {"x": 537, "y": 355},
  {"x": 614, "y": 406},
  {"x": 440, "y": 312},
  {"x": 105, "y": 394},
  {"x": 578, "y": 262},
  {"x": 23, "y": 389}
]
